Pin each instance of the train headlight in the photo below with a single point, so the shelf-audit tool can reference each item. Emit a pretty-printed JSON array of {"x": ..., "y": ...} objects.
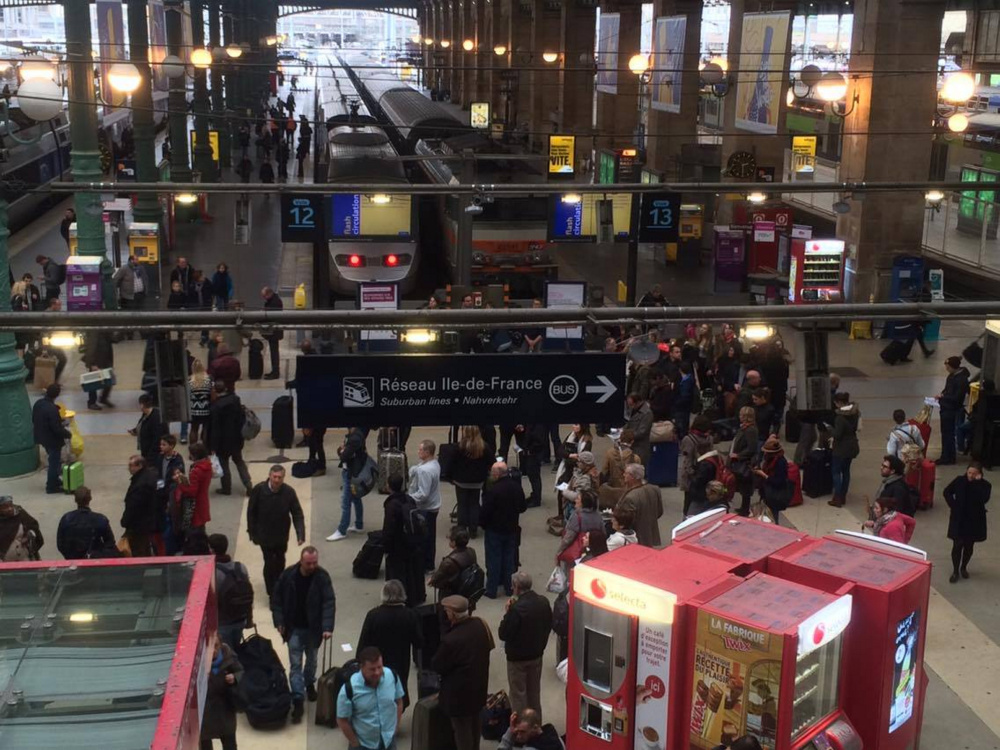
[
  {"x": 355, "y": 261},
  {"x": 392, "y": 260}
]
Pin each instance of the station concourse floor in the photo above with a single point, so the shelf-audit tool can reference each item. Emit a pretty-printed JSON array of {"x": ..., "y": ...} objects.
[{"x": 963, "y": 648}]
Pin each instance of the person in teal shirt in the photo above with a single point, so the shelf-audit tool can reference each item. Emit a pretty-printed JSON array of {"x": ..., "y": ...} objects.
[{"x": 370, "y": 704}]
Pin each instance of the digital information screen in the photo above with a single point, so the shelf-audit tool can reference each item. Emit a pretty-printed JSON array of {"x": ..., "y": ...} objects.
[
  {"x": 581, "y": 222},
  {"x": 360, "y": 217}
]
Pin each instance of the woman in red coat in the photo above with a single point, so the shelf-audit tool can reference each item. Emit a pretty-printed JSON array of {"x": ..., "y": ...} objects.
[
  {"x": 889, "y": 523},
  {"x": 190, "y": 509}
]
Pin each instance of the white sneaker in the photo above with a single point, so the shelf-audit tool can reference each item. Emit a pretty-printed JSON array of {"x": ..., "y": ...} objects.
[
  {"x": 336, "y": 537},
  {"x": 354, "y": 530}
]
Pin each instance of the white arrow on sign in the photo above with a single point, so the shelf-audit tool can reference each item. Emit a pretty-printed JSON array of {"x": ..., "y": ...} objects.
[{"x": 606, "y": 390}]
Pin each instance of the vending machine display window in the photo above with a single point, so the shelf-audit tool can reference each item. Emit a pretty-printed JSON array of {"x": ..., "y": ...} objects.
[
  {"x": 597, "y": 656},
  {"x": 817, "y": 685}
]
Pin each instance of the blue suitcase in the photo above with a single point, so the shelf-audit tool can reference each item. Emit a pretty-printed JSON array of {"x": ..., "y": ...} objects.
[{"x": 662, "y": 469}]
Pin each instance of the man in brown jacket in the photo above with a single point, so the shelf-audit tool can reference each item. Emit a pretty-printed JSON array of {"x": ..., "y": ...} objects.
[{"x": 645, "y": 501}]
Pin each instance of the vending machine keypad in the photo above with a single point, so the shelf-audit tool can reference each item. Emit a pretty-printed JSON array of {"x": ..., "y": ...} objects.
[{"x": 595, "y": 718}]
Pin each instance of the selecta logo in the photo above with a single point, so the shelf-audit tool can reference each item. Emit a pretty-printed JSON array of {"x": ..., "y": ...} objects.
[
  {"x": 598, "y": 589},
  {"x": 819, "y": 633}
]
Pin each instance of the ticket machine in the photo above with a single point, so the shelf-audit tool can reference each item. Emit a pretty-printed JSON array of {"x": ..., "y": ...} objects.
[{"x": 83, "y": 283}]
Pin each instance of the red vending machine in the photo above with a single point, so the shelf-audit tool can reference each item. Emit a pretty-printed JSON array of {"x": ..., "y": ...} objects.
[
  {"x": 744, "y": 542},
  {"x": 816, "y": 272},
  {"x": 884, "y": 648},
  {"x": 764, "y": 659},
  {"x": 629, "y": 615}
]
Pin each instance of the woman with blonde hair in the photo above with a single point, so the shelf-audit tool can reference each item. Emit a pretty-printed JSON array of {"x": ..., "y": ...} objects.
[
  {"x": 200, "y": 388},
  {"x": 469, "y": 469}
]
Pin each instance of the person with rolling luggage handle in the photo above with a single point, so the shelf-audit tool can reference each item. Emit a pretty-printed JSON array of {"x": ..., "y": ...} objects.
[
  {"x": 395, "y": 630},
  {"x": 303, "y": 607},
  {"x": 370, "y": 704}
]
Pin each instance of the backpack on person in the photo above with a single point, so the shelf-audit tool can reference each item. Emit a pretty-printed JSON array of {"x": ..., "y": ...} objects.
[
  {"x": 415, "y": 527},
  {"x": 60, "y": 273},
  {"x": 366, "y": 479},
  {"x": 725, "y": 476},
  {"x": 471, "y": 582},
  {"x": 235, "y": 595},
  {"x": 250, "y": 428}
]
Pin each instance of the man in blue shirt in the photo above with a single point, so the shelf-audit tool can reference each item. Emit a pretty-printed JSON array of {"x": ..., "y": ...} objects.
[{"x": 370, "y": 704}]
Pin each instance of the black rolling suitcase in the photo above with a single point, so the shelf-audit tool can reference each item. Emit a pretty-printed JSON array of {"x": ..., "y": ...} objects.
[
  {"x": 896, "y": 350},
  {"x": 817, "y": 473},
  {"x": 255, "y": 360},
  {"x": 431, "y": 728},
  {"x": 283, "y": 422},
  {"x": 430, "y": 625},
  {"x": 262, "y": 691},
  {"x": 368, "y": 563},
  {"x": 793, "y": 427}
]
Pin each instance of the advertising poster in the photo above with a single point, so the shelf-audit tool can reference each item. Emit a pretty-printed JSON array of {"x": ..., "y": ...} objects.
[
  {"x": 378, "y": 297},
  {"x": 804, "y": 154},
  {"x": 737, "y": 673},
  {"x": 668, "y": 62},
  {"x": 111, "y": 46},
  {"x": 565, "y": 294},
  {"x": 369, "y": 217},
  {"x": 561, "y": 149},
  {"x": 479, "y": 115},
  {"x": 158, "y": 42},
  {"x": 904, "y": 674},
  {"x": 763, "y": 48},
  {"x": 607, "y": 53},
  {"x": 652, "y": 687},
  {"x": 581, "y": 221}
]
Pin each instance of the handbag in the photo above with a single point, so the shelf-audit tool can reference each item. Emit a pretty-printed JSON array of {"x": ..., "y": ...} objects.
[
  {"x": 557, "y": 581},
  {"x": 494, "y": 719},
  {"x": 662, "y": 432},
  {"x": 216, "y": 467},
  {"x": 760, "y": 512}
]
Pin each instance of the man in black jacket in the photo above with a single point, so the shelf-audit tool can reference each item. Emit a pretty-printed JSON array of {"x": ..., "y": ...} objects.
[
  {"x": 99, "y": 354},
  {"x": 525, "y": 633},
  {"x": 183, "y": 274},
  {"x": 272, "y": 510},
  {"x": 503, "y": 503},
  {"x": 139, "y": 518},
  {"x": 463, "y": 661},
  {"x": 952, "y": 400},
  {"x": 303, "y": 607},
  {"x": 225, "y": 437},
  {"x": 533, "y": 440},
  {"x": 403, "y": 529},
  {"x": 51, "y": 434},
  {"x": 149, "y": 429},
  {"x": 273, "y": 302},
  {"x": 82, "y": 532}
]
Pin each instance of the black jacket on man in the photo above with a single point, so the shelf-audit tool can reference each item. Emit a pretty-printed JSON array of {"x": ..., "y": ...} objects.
[
  {"x": 396, "y": 631},
  {"x": 354, "y": 453},
  {"x": 463, "y": 661},
  {"x": 225, "y": 431},
  {"x": 151, "y": 429},
  {"x": 140, "y": 516},
  {"x": 83, "y": 532},
  {"x": 534, "y": 440},
  {"x": 99, "y": 350},
  {"x": 49, "y": 430},
  {"x": 321, "y": 604},
  {"x": 270, "y": 515},
  {"x": 525, "y": 628},
  {"x": 503, "y": 503},
  {"x": 403, "y": 547},
  {"x": 956, "y": 388}
]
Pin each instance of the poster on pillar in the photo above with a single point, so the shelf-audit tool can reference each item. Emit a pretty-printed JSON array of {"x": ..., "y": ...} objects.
[
  {"x": 762, "y": 60},
  {"x": 607, "y": 53},
  {"x": 668, "y": 63},
  {"x": 158, "y": 42},
  {"x": 111, "y": 46}
]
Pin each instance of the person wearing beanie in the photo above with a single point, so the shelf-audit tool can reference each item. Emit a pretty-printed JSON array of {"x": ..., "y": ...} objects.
[{"x": 773, "y": 470}]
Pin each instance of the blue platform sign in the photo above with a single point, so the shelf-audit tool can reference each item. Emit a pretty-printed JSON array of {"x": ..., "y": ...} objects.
[
  {"x": 345, "y": 215},
  {"x": 302, "y": 218},
  {"x": 659, "y": 217}
]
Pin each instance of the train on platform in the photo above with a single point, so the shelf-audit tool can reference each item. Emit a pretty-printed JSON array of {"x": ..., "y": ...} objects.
[
  {"x": 372, "y": 237},
  {"x": 509, "y": 233},
  {"x": 46, "y": 158}
]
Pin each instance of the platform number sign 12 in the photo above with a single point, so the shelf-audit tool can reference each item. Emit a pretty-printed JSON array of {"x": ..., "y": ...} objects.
[
  {"x": 301, "y": 216},
  {"x": 659, "y": 217}
]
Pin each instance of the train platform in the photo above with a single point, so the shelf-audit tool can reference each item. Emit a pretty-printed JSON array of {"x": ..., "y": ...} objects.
[{"x": 963, "y": 650}]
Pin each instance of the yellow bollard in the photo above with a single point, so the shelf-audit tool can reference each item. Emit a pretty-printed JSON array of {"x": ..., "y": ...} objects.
[
  {"x": 622, "y": 292},
  {"x": 300, "y": 297}
]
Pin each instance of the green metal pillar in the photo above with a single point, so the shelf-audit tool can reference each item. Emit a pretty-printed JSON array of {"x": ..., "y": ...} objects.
[
  {"x": 180, "y": 167},
  {"x": 219, "y": 120},
  {"x": 85, "y": 158},
  {"x": 18, "y": 454},
  {"x": 203, "y": 161},
  {"x": 147, "y": 206}
]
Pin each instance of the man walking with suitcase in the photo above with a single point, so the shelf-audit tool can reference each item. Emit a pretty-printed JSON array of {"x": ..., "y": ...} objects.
[
  {"x": 272, "y": 510},
  {"x": 370, "y": 704},
  {"x": 303, "y": 607}
]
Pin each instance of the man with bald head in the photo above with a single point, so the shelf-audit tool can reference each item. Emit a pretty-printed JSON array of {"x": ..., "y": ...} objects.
[{"x": 503, "y": 503}]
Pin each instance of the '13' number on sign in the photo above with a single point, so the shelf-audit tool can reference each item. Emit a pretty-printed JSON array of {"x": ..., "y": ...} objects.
[{"x": 662, "y": 216}]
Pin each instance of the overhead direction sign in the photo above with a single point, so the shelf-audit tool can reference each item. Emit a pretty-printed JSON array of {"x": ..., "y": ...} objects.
[{"x": 448, "y": 389}]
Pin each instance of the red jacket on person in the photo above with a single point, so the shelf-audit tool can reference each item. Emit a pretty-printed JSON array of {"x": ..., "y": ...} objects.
[
  {"x": 199, "y": 479},
  {"x": 899, "y": 529}
]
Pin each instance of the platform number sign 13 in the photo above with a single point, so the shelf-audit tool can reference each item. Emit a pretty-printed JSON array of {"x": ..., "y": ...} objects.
[
  {"x": 301, "y": 217},
  {"x": 659, "y": 217}
]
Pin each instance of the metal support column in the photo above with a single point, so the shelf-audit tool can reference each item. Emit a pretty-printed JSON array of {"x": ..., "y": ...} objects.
[
  {"x": 463, "y": 258},
  {"x": 85, "y": 157},
  {"x": 18, "y": 454},
  {"x": 180, "y": 167},
  {"x": 202, "y": 155},
  {"x": 219, "y": 120},
  {"x": 632, "y": 268},
  {"x": 147, "y": 207}
]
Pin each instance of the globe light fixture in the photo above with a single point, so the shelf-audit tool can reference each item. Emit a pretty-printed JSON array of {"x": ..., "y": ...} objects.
[
  {"x": 550, "y": 57},
  {"x": 832, "y": 87},
  {"x": 468, "y": 45},
  {"x": 270, "y": 40},
  {"x": 124, "y": 77},
  {"x": 201, "y": 58},
  {"x": 500, "y": 50},
  {"x": 638, "y": 64},
  {"x": 958, "y": 87},
  {"x": 810, "y": 75},
  {"x": 218, "y": 54},
  {"x": 37, "y": 67},
  {"x": 172, "y": 66},
  {"x": 713, "y": 74},
  {"x": 186, "y": 199},
  {"x": 416, "y": 39},
  {"x": 790, "y": 96},
  {"x": 428, "y": 41},
  {"x": 958, "y": 122},
  {"x": 445, "y": 44},
  {"x": 40, "y": 99},
  {"x": 934, "y": 197},
  {"x": 757, "y": 197},
  {"x": 234, "y": 50}
]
